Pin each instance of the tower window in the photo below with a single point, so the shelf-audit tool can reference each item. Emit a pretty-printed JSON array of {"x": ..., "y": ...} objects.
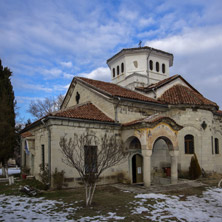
[
  {"x": 151, "y": 64},
  {"x": 163, "y": 68},
  {"x": 114, "y": 73},
  {"x": 157, "y": 66},
  {"x": 122, "y": 67},
  {"x": 117, "y": 70},
  {"x": 189, "y": 144}
]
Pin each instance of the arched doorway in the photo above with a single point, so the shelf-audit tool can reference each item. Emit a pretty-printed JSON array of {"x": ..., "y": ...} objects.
[
  {"x": 137, "y": 168},
  {"x": 161, "y": 161},
  {"x": 135, "y": 160}
]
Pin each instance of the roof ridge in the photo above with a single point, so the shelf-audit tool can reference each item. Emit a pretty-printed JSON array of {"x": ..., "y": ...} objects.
[
  {"x": 70, "y": 107},
  {"x": 115, "y": 90},
  {"x": 138, "y": 48}
]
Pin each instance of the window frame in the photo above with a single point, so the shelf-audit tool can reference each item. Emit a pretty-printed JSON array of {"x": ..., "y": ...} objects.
[
  {"x": 114, "y": 73},
  {"x": 189, "y": 145},
  {"x": 163, "y": 68},
  {"x": 151, "y": 65},
  {"x": 117, "y": 70},
  {"x": 216, "y": 144},
  {"x": 43, "y": 156},
  {"x": 122, "y": 67},
  {"x": 157, "y": 66},
  {"x": 90, "y": 159}
]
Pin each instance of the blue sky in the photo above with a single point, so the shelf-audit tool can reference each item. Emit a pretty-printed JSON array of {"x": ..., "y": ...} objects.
[{"x": 47, "y": 43}]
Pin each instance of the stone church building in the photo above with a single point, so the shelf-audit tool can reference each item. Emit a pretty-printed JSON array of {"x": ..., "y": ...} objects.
[{"x": 161, "y": 119}]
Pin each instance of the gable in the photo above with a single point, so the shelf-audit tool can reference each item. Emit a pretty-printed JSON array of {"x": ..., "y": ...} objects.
[
  {"x": 157, "y": 89},
  {"x": 87, "y": 94}
]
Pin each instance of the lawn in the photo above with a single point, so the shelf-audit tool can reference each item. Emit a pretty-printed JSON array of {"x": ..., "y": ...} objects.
[{"x": 110, "y": 204}]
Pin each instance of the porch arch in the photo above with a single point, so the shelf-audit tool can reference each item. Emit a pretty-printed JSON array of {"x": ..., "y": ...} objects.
[
  {"x": 133, "y": 146},
  {"x": 164, "y": 160}
]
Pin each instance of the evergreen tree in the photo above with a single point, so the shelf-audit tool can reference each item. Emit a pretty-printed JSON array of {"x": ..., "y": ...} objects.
[
  {"x": 194, "y": 169},
  {"x": 7, "y": 115}
]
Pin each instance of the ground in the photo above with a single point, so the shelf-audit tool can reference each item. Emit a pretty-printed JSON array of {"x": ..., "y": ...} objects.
[{"x": 111, "y": 204}]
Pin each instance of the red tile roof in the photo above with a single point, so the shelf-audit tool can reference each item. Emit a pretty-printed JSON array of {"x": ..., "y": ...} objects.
[
  {"x": 162, "y": 83},
  {"x": 219, "y": 112},
  {"x": 152, "y": 119},
  {"x": 179, "y": 94},
  {"x": 26, "y": 134},
  {"x": 158, "y": 84},
  {"x": 85, "y": 111},
  {"x": 115, "y": 90}
]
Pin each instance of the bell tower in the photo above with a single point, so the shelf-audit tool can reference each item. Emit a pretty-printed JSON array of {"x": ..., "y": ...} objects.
[{"x": 135, "y": 67}]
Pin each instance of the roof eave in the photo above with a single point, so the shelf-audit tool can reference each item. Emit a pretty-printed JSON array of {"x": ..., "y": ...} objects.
[{"x": 145, "y": 48}]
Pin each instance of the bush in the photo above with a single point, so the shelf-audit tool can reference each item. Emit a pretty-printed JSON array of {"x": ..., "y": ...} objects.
[
  {"x": 58, "y": 178},
  {"x": 194, "y": 169},
  {"x": 44, "y": 175}
]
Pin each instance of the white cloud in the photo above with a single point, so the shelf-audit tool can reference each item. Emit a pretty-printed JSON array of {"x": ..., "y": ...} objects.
[
  {"x": 26, "y": 99},
  {"x": 51, "y": 73},
  {"x": 100, "y": 73},
  {"x": 67, "y": 64},
  {"x": 19, "y": 84},
  {"x": 190, "y": 41},
  {"x": 68, "y": 76},
  {"x": 197, "y": 57}
]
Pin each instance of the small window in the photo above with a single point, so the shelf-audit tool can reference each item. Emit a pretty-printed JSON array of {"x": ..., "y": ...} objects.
[
  {"x": 216, "y": 146},
  {"x": 122, "y": 67},
  {"x": 212, "y": 144},
  {"x": 189, "y": 144},
  {"x": 90, "y": 153},
  {"x": 117, "y": 70},
  {"x": 163, "y": 68},
  {"x": 114, "y": 73},
  {"x": 77, "y": 97},
  {"x": 157, "y": 66},
  {"x": 151, "y": 64},
  {"x": 43, "y": 157}
]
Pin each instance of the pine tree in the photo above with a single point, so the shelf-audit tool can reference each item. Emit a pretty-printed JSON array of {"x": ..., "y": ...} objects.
[
  {"x": 7, "y": 115},
  {"x": 194, "y": 169}
]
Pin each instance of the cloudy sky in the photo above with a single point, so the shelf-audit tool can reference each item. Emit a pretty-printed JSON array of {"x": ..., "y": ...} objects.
[{"x": 47, "y": 43}]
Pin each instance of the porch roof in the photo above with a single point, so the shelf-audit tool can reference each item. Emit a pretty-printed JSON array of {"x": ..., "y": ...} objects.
[{"x": 153, "y": 120}]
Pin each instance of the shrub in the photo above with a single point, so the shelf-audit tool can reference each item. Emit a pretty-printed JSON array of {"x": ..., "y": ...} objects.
[
  {"x": 58, "y": 178},
  {"x": 194, "y": 169},
  {"x": 44, "y": 175}
]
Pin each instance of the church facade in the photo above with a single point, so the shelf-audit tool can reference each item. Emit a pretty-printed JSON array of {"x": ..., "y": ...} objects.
[{"x": 161, "y": 119}]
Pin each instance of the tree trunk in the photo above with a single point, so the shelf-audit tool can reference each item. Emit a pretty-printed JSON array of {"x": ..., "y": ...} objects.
[
  {"x": 90, "y": 189},
  {"x": 94, "y": 187},
  {"x": 4, "y": 170}
]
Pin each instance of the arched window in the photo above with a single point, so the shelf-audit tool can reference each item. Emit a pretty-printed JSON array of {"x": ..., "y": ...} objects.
[
  {"x": 216, "y": 146},
  {"x": 189, "y": 144},
  {"x": 163, "y": 68},
  {"x": 122, "y": 67},
  {"x": 117, "y": 70},
  {"x": 151, "y": 64},
  {"x": 157, "y": 66},
  {"x": 135, "y": 144},
  {"x": 114, "y": 73}
]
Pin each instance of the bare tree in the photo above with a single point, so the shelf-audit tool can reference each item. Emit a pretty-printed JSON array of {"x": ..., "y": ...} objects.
[
  {"x": 91, "y": 156},
  {"x": 40, "y": 108}
]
